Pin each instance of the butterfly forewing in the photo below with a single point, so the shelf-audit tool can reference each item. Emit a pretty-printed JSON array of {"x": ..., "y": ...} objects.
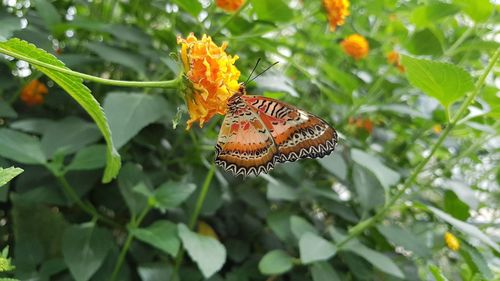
[
  {"x": 245, "y": 145},
  {"x": 296, "y": 133}
]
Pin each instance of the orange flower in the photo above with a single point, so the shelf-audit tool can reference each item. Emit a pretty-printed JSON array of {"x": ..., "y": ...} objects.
[
  {"x": 211, "y": 76},
  {"x": 34, "y": 93},
  {"x": 361, "y": 123},
  {"x": 337, "y": 11},
  {"x": 451, "y": 241},
  {"x": 229, "y": 5},
  {"x": 437, "y": 129},
  {"x": 393, "y": 58},
  {"x": 355, "y": 46}
]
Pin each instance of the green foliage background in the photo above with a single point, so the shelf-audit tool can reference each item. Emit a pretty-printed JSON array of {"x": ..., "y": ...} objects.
[{"x": 377, "y": 209}]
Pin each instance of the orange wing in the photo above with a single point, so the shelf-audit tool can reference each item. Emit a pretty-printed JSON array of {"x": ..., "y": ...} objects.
[
  {"x": 244, "y": 145},
  {"x": 296, "y": 133}
]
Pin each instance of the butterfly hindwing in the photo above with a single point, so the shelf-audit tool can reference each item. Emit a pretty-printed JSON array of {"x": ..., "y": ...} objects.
[
  {"x": 296, "y": 133},
  {"x": 244, "y": 145}
]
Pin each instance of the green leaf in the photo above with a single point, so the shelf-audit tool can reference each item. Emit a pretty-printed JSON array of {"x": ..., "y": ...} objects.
[
  {"x": 8, "y": 25},
  {"x": 370, "y": 191},
  {"x": 75, "y": 88},
  {"x": 208, "y": 253},
  {"x": 277, "y": 190},
  {"x": 8, "y": 174},
  {"x": 335, "y": 165},
  {"x": 475, "y": 260},
  {"x": 443, "y": 81},
  {"x": 48, "y": 13},
  {"x": 436, "y": 273},
  {"x": 428, "y": 15},
  {"x": 300, "y": 226},
  {"x": 21, "y": 147},
  {"x": 155, "y": 271},
  {"x": 386, "y": 176},
  {"x": 315, "y": 248},
  {"x": 68, "y": 136},
  {"x": 465, "y": 228},
  {"x": 161, "y": 234},
  {"x": 128, "y": 113},
  {"x": 272, "y": 10},
  {"x": 84, "y": 249},
  {"x": 171, "y": 194},
  {"x": 6, "y": 110},
  {"x": 89, "y": 158},
  {"x": 454, "y": 206},
  {"x": 478, "y": 10},
  {"x": 279, "y": 222},
  {"x": 191, "y": 6},
  {"x": 402, "y": 237},
  {"x": 432, "y": 44},
  {"x": 130, "y": 177},
  {"x": 119, "y": 56},
  {"x": 275, "y": 262},
  {"x": 323, "y": 271}
]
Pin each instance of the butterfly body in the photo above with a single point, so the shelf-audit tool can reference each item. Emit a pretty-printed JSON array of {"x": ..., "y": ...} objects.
[{"x": 259, "y": 132}]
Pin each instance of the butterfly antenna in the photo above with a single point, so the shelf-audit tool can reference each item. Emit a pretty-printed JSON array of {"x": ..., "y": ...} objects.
[
  {"x": 250, "y": 76},
  {"x": 275, "y": 63}
]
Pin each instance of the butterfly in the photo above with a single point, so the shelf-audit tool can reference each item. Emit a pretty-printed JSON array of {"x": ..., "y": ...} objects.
[{"x": 259, "y": 132}]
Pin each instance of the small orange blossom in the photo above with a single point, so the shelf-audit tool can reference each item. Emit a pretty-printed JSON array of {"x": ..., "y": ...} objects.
[
  {"x": 355, "y": 46},
  {"x": 393, "y": 58},
  {"x": 337, "y": 11},
  {"x": 451, "y": 241},
  {"x": 34, "y": 93},
  {"x": 229, "y": 5},
  {"x": 212, "y": 77}
]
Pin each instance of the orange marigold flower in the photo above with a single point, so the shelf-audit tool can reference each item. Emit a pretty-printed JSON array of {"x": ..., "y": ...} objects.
[
  {"x": 337, "y": 11},
  {"x": 229, "y": 5},
  {"x": 451, "y": 241},
  {"x": 393, "y": 58},
  {"x": 212, "y": 77},
  {"x": 355, "y": 46},
  {"x": 34, "y": 93}
]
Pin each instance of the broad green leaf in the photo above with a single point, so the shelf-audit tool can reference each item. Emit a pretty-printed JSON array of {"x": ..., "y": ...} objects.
[
  {"x": 445, "y": 82},
  {"x": 128, "y": 113},
  {"x": 386, "y": 176},
  {"x": 68, "y": 136},
  {"x": 279, "y": 222},
  {"x": 161, "y": 234},
  {"x": 300, "y": 226},
  {"x": 454, "y": 206},
  {"x": 323, "y": 271},
  {"x": 432, "y": 45},
  {"x": 7, "y": 174},
  {"x": 402, "y": 237},
  {"x": 478, "y": 10},
  {"x": 272, "y": 10},
  {"x": 315, "y": 248},
  {"x": 432, "y": 13},
  {"x": 277, "y": 190},
  {"x": 465, "y": 228},
  {"x": 47, "y": 12},
  {"x": 7, "y": 26},
  {"x": 191, "y": 6},
  {"x": 130, "y": 177},
  {"x": 21, "y": 147},
  {"x": 84, "y": 248},
  {"x": 6, "y": 110},
  {"x": 370, "y": 191},
  {"x": 171, "y": 194},
  {"x": 36, "y": 126},
  {"x": 89, "y": 158},
  {"x": 464, "y": 192},
  {"x": 335, "y": 164},
  {"x": 119, "y": 56},
  {"x": 75, "y": 88},
  {"x": 475, "y": 260},
  {"x": 275, "y": 262},
  {"x": 436, "y": 273},
  {"x": 208, "y": 253}
]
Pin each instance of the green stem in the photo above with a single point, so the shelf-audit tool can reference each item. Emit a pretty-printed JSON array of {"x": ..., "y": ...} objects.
[
  {"x": 128, "y": 241},
  {"x": 155, "y": 84},
  {"x": 70, "y": 192},
  {"x": 362, "y": 226},
  {"x": 195, "y": 214},
  {"x": 231, "y": 18},
  {"x": 459, "y": 42}
]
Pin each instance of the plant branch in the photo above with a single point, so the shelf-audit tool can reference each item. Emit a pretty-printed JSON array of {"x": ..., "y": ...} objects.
[
  {"x": 154, "y": 84},
  {"x": 362, "y": 226}
]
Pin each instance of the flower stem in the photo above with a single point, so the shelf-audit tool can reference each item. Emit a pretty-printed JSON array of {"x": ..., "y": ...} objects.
[
  {"x": 128, "y": 241},
  {"x": 154, "y": 84},
  {"x": 195, "y": 214},
  {"x": 362, "y": 226},
  {"x": 70, "y": 192}
]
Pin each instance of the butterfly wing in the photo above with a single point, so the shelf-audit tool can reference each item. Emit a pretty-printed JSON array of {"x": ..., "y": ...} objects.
[
  {"x": 296, "y": 133},
  {"x": 244, "y": 145}
]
